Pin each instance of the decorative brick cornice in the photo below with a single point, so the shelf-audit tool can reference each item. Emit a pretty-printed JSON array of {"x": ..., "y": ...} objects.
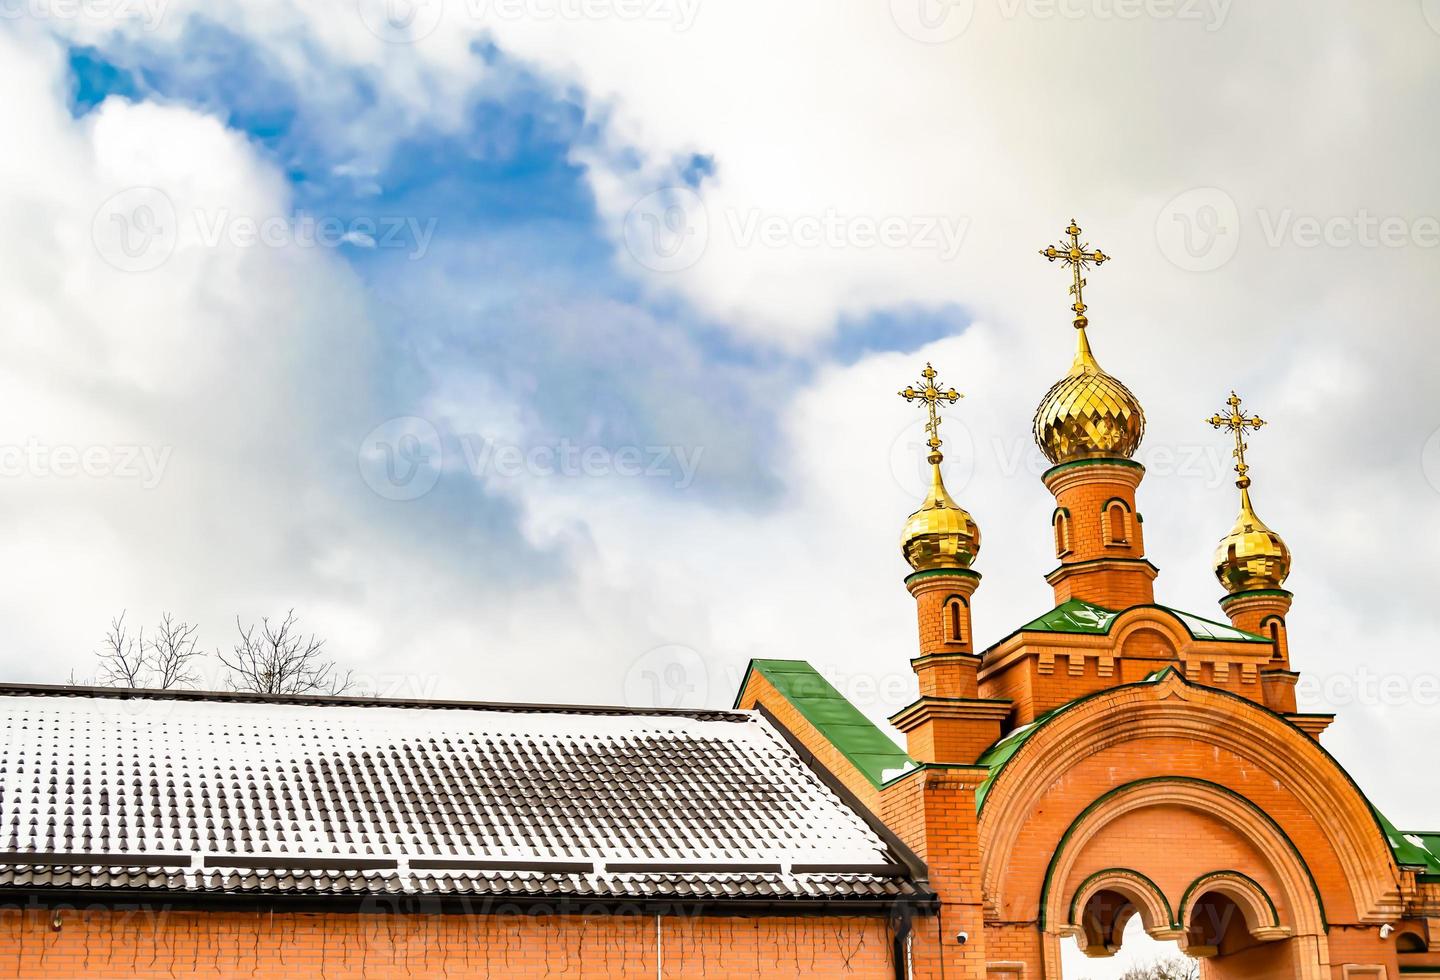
[{"x": 951, "y": 709}]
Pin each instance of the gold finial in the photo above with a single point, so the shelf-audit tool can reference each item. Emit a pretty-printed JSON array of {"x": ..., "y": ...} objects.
[
  {"x": 1078, "y": 256},
  {"x": 931, "y": 394},
  {"x": 1236, "y": 421},
  {"x": 1251, "y": 556},
  {"x": 941, "y": 534}
]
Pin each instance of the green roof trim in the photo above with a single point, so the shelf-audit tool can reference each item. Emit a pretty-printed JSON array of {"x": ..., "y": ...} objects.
[
  {"x": 1078, "y": 616},
  {"x": 1416, "y": 848},
  {"x": 841, "y": 723}
]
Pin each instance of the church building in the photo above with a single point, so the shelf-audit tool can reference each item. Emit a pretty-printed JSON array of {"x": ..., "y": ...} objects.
[{"x": 1112, "y": 759}]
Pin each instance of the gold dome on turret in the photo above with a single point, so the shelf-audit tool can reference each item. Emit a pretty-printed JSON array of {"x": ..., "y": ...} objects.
[
  {"x": 941, "y": 534},
  {"x": 1087, "y": 414},
  {"x": 1251, "y": 556}
]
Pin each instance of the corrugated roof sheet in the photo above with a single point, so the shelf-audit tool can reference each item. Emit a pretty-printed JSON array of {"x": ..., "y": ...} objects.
[{"x": 250, "y": 796}]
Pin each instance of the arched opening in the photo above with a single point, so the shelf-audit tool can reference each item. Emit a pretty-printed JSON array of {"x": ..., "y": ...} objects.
[
  {"x": 1060, "y": 520},
  {"x": 1117, "y": 525},
  {"x": 955, "y": 620},
  {"x": 1274, "y": 628},
  {"x": 1139, "y": 957}
]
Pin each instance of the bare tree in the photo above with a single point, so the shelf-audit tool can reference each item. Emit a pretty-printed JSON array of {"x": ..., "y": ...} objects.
[
  {"x": 129, "y": 659},
  {"x": 1170, "y": 968},
  {"x": 279, "y": 659},
  {"x": 172, "y": 653},
  {"x": 122, "y": 657}
]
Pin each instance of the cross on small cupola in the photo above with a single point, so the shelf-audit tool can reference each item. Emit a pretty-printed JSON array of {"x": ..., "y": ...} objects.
[
  {"x": 1238, "y": 423},
  {"x": 1078, "y": 256},
  {"x": 931, "y": 394}
]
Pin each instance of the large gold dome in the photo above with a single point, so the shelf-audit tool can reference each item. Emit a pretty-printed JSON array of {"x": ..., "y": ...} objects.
[
  {"x": 941, "y": 534},
  {"x": 1088, "y": 414},
  {"x": 1251, "y": 556}
]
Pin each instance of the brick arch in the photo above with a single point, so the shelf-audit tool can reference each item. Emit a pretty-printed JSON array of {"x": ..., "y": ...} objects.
[
  {"x": 1152, "y": 619},
  {"x": 1305, "y": 917},
  {"x": 1262, "y": 919},
  {"x": 1136, "y": 888},
  {"x": 1175, "y": 709}
]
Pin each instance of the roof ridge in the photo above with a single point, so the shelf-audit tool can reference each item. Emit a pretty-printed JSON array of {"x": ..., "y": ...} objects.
[{"x": 359, "y": 700}]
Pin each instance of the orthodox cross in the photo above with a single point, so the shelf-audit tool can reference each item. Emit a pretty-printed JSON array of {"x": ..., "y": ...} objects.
[
  {"x": 931, "y": 394},
  {"x": 1078, "y": 256},
  {"x": 1236, "y": 421}
]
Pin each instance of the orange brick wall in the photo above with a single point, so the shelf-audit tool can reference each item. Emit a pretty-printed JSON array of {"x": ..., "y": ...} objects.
[{"x": 374, "y": 946}]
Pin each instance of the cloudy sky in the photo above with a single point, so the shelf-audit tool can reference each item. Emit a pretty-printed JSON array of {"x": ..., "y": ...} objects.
[{"x": 548, "y": 349}]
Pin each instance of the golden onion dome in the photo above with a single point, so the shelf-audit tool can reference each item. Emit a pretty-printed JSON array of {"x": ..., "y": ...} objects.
[
  {"x": 1251, "y": 556},
  {"x": 941, "y": 534},
  {"x": 1088, "y": 414}
]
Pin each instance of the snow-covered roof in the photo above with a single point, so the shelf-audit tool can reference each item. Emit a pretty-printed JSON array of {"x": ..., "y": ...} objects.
[{"x": 242, "y": 794}]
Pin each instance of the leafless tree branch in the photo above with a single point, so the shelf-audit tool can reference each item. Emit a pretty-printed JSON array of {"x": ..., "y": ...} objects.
[
  {"x": 279, "y": 659},
  {"x": 122, "y": 656},
  {"x": 172, "y": 653},
  {"x": 1169, "y": 968}
]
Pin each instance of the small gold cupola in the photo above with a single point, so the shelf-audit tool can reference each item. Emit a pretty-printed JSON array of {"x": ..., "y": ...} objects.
[
  {"x": 1252, "y": 556},
  {"x": 1087, "y": 414},
  {"x": 941, "y": 534}
]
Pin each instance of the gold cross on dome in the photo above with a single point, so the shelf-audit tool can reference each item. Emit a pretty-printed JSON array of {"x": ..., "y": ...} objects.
[
  {"x": 1079, "y": 257},
  {"x": 1236, "y": 421},
  {"x": 931, "y": 394}
]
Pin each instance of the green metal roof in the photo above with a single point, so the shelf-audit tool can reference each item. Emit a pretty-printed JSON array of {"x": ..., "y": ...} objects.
[
  {"x": 1077, "y": 616},
  {"x": 843, "y": 725},
  {"x": 1419, "y": 848}
]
